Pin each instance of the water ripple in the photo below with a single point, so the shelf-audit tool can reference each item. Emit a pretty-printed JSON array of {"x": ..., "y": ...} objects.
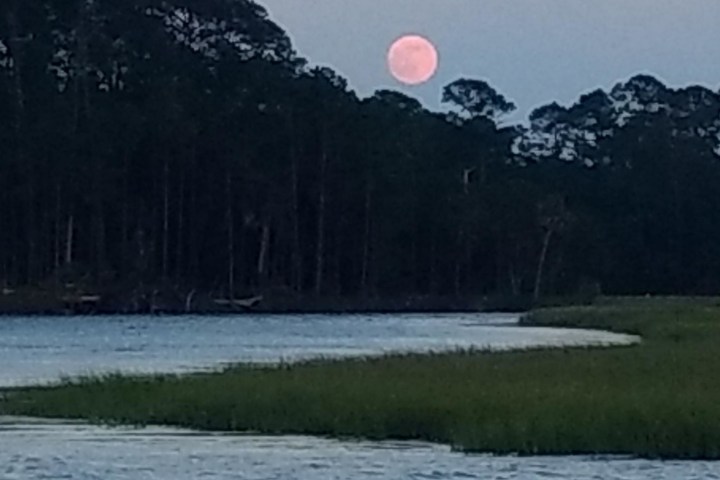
[
  {"x": 41, "y": 349},
  {"x": 56, "y": 450}
]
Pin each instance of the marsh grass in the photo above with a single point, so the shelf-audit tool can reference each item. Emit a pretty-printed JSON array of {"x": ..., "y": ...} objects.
[{"x": 658, "y": 399}]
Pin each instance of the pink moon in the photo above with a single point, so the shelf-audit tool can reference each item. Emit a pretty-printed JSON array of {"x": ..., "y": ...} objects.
[{"x": 412, "y": 59}]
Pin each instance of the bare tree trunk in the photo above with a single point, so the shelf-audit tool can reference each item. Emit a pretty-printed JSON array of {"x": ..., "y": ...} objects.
[
  {"x": 337, "y": 267},
  {"x": 188, "y": 301},
  {"x": 262, "y": 256},
  {"x": 153, "y": 241},
  {"x": 99, "y": 230},
  {"x": 166, "y": 217},
  {"x": 515, "y": 279},
  {"x": 459, "y": 256},
  {"x": 69, "y": 239},
  {"x": 512, "y": 260},
  {"x": 124, "y": 216},
  {"x": 433, "y": 287},
  {"x": 180, "y": 227},
  {"x": 45, "y": 257},
  {"x": 57, "y": 249},
  {"x": 19, "y": 93},
  {"x": 414, "y": 260},
  {"x": 193, "y": 224},
  {"x": 229, "y": 217},
  {"x": 322, "y": 199},
  {"x": 296, "y": 251},
  {"x": 553, "y": 217},
  {"x": 5, "y": 248},
  {"x": 366, "y": 239},
  {"x": 541, "y": 263},
  {"x": 83, "y": 67},
  {"x": 467, "y": 261}
]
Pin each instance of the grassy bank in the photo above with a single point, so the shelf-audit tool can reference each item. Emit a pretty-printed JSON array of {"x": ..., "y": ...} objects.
[{"x": 658, "y": 399}]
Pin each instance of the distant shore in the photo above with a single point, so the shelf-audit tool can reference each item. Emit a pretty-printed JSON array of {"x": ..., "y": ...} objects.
[{"x": 44, "y": 302}]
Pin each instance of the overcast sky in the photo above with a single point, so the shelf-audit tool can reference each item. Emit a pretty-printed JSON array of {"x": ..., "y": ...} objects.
[{"x": 532, "y": 51}]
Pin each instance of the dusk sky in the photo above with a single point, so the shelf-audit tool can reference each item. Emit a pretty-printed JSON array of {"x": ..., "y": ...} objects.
[{"x": 532, "y": 51}]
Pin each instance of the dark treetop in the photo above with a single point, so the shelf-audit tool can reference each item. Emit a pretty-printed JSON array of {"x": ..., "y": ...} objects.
[{"x": 182, "y": 145}]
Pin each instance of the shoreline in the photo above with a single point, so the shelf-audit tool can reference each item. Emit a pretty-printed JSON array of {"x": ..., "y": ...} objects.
[
  {"x": 264, "y": 312},
  {"x": 37, "y": 302},
  {"x": 480, "y": 333},
  {"x": 657, "y": 399}
]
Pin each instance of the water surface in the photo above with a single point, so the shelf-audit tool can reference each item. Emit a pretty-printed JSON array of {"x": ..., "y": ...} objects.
[
  {"x": 41, "y": 349},
  {"x": 34, "y": 451}
]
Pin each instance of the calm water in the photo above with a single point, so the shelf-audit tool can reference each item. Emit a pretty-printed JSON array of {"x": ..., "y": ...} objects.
[
  {"x": 44, "y": 451},
  {"x": 41, "y": 349}
]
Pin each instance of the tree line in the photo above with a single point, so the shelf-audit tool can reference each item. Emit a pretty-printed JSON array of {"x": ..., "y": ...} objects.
[{"x": 185, "y": 143}]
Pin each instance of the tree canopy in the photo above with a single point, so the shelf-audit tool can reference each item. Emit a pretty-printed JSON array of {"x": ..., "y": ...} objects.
[{"x": 185, "y": 143}]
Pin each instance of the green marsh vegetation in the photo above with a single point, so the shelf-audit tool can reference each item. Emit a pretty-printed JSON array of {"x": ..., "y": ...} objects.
[{"x": 657, "y": 399}]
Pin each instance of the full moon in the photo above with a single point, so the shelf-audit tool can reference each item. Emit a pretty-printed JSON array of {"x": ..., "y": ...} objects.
[{"x": 412, "y": 59}]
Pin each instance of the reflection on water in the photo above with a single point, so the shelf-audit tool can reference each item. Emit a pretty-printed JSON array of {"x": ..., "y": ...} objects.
[
  {"x": 75, "y": 451},
  {"x": 35, "y": 349}
]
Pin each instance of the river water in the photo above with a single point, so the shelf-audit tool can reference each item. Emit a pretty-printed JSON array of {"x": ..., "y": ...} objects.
[
  {"x": 74, "y": 451},
  {"x": 41, "y": 349}
]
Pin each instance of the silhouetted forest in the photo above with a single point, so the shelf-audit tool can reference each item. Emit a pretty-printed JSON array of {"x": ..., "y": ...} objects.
[{"x": 183, "y": 143}]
